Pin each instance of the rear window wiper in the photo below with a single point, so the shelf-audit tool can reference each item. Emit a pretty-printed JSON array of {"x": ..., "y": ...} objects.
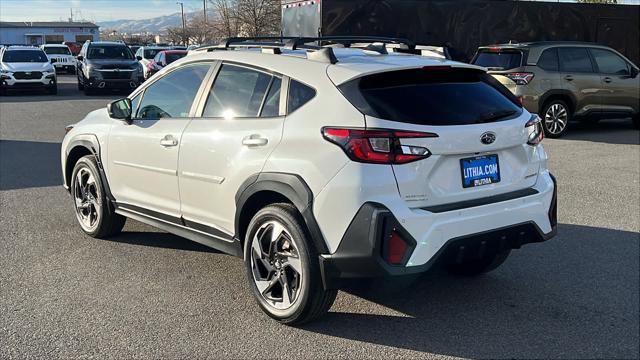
[{"x": 494, "y": 116}]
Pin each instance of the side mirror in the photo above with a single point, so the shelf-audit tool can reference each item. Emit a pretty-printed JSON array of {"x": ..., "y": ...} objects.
[
  {"x": 634, "y": 72},
  {"x": 80, "y": 58},
  {"x": 139, "y": 58},
  {"x": 120, "y": 109}
]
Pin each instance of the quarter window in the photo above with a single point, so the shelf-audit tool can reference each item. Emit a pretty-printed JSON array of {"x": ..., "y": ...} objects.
[
  {"x": 237, "y": 92},
  {"x": 609, "y": 63},
  {"x": 271, "y": 106},
  {"x": 575, "y": 60},
  {"x": 173, "y": 94},
  {"x": 299, "y": 94},
  {"x": 549, "y": 60}
]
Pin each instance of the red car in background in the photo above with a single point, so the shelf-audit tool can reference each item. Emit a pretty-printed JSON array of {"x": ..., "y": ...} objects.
[
  {"x": 164, "y": 58},
  {"x": 73, "y": 47}
]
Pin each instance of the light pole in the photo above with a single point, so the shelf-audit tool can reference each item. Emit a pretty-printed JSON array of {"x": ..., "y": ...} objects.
[{"x": 184, "y": 25}]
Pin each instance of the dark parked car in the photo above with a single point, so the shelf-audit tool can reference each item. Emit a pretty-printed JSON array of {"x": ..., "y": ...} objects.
[{"x": 107, "y": 65}]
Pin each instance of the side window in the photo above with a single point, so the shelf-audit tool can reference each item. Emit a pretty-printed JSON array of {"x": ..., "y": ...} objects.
[
  {"x": 299, "y": 94},
  {"x": 271, "y": 105},
  {"x": 173, "y": 94},
  {"x": 549, "y": 60},
  {"x": 237, "y": 92},
  {"x": 574, "y": 59},
  {"x": 609, "y": 62}
]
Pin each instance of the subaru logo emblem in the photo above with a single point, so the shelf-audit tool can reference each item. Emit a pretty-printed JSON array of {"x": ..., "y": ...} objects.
[
  {"x": 116, "y": 69},
  {"x": 488, "y": 138}
]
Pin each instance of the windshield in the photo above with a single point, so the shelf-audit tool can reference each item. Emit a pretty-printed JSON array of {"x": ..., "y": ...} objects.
[
  {"x": 151, "y": 53},
  {"x": 171, "y": 57},
  {"x": 57, "y": 50},
  {"x": 109, "y": 52},
  {"x": 502, "y": 60},
  {"x": 432, "y": 97},
  {"x": 24, "y": 56}
]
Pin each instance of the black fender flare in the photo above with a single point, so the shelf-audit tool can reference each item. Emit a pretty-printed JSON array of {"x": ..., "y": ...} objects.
[
  {"x": 91, "y": 143},
  {"x": 291, "y": 186}
]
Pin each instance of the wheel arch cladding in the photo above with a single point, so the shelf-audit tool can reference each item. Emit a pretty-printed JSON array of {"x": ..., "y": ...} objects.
[
  {"x": 563, "y": 95},
  {"x": 263, "y": 189},
  {"x": 82, "y": 146}
]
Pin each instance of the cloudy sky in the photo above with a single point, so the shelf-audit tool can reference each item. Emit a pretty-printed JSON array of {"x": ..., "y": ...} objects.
[{"x": 103, "y": 10}]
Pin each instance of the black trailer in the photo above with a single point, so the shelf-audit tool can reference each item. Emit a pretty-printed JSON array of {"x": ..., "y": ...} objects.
[{"x": 463, "y": 25}]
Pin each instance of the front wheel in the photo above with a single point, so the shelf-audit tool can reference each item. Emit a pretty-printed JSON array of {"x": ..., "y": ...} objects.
[
  {"x": 636, "y": 121},
  {"x": 282, "y": 267},
  {"x": 556, "y": 116},
  {"x": 96, "y": 217}
]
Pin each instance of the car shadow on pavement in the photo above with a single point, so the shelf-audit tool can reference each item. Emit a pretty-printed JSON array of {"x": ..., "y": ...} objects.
[
  {"x": 29, "y": 164},
  {"x": 605, "y": 131},
  {"x": 159, "y": 240},
  {"x": 562, "y": 298}
]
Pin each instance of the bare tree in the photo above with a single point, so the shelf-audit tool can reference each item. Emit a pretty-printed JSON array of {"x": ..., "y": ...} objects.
[
  {"x": 226, "y": 19},
  {"x": 259, "y": 17}
]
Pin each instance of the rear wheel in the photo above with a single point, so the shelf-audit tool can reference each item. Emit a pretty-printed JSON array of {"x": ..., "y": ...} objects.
[
  {"x": 556, "y": 116},
  {"x": 282, "y": 267},
  {"x": 97, "y": 219},
  {"x": 479, "y": 266}
]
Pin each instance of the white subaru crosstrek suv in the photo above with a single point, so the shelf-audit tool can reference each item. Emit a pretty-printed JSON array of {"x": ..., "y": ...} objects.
[
  {"x": 60, "y": 56},
  {"x": 318, "y": 164},
  {"x": 26, "y": 67}
]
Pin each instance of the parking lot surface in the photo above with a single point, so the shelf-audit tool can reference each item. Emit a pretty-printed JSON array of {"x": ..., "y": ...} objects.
[{"x": 146, "y": 293}]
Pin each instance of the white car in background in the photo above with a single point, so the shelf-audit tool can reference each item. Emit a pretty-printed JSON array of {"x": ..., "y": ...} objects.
[
  {"x": 60, "y": 57},
  {"x": 26, "y": 67},
  {"x": 318, "y": 165},
  {"x": 145, "y": 55}
]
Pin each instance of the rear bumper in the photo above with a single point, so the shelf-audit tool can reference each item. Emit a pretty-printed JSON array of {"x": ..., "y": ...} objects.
[{"x": 361, "y": 251}]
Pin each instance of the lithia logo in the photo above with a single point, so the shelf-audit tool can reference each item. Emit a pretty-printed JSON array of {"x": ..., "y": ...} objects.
[{"x": 488, "y": 138}]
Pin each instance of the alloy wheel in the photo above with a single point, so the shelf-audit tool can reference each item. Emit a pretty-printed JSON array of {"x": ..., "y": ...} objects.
[
  {"x": 556, "y": 119},
  {"x": 85, "y": 194},
  {"x": 276, "y": 265}
]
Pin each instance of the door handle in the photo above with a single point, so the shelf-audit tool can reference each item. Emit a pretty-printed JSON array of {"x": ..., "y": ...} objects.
[
  {"x": 568, "y": 78},
  {"x": 607, "y": 79},
  {"x": 168, "y": 140},
  {"x": 254, "y": 140}
]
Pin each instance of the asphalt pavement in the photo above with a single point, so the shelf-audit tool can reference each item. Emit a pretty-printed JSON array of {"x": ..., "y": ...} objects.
[{"x": 149, "y": 294}]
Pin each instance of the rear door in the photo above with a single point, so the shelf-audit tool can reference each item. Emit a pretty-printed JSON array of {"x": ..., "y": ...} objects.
[
  {"x": 479, "y": 124},
  {"x": 240, "y": 124},
  {"x": 579, "y": 77},
  {"x": 621, "y": 90}
]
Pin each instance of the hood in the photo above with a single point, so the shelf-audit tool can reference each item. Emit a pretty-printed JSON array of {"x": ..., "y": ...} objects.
[
  {"x": 112, "y": 63},
  {"x": 28, "y": 66}
]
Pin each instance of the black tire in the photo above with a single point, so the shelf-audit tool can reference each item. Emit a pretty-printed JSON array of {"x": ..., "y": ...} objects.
[
  {"x": 636, "y": 121},
  {"x": 552, "y": 125},
  {"x": 80, "y": 85},
  {"x": 89, "y": 91},
  {"x": 479, "y": 266},
  {"x": 311, "y": 299},
  {"x": 107, "y": 223},
  {"x": 53, "y": 90}
]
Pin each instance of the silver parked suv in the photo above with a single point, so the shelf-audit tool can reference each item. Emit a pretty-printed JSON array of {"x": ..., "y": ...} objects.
[{"x": 566, "y": 80}]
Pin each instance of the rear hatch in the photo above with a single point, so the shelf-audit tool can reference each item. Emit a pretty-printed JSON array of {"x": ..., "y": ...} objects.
[
  {"x": 499, "y": 59},
  {"x": 481, "y": 145}
]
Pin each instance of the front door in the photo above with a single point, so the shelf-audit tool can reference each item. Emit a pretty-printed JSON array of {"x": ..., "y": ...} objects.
[
  {"x": 143, "y": 156},
  {"x": 241, "y": 124},
  {"x": 621, "y": 88}
]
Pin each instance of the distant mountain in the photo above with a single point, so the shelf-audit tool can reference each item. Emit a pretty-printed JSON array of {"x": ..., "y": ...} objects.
[{"x": 154, "y": 25}]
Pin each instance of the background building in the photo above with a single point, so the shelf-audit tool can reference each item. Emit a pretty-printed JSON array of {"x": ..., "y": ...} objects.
[{"x": 36, "y": 33}]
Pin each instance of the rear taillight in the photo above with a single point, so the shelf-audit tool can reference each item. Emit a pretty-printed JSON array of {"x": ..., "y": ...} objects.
[
  {"x": 378, "y": 146},
  {"x": 396, "y": 249},
  {"x": 536, "y": 132},
  {"x": 520, "y": 78}
]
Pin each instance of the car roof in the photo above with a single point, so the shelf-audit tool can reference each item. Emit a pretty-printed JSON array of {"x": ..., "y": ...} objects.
[
  {"x": 351, "y": 62},
  {"x": 55, "y": 45},
  {"x": 109, "y": 43},
  {"x": 22, "y": 47}
]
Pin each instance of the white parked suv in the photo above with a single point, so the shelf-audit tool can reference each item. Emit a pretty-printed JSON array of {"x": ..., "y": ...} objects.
[
  {"x": 60, "y": 56},
  {"x": 26, "y": 67},
  {"x": 318, "y": 164}
]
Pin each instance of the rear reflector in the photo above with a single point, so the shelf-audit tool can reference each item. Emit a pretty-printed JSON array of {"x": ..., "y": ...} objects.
[
  {"x": 378, "y": 146},
  {"x": 397, "y": 249}
]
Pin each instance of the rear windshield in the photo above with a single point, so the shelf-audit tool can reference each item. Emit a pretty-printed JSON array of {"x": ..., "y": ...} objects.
[
  {"x": 109, "y": 52},
  {"x": 499, "y": 60},
  {"x": 24, "y": 56},
  {"x": 57, "y": 50},
  {"x": 432, "y": 97},
  {"x": 171, "y": 57}
]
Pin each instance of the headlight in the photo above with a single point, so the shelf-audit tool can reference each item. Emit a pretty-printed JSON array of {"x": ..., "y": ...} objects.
[{"x": 3, "y": 71}]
